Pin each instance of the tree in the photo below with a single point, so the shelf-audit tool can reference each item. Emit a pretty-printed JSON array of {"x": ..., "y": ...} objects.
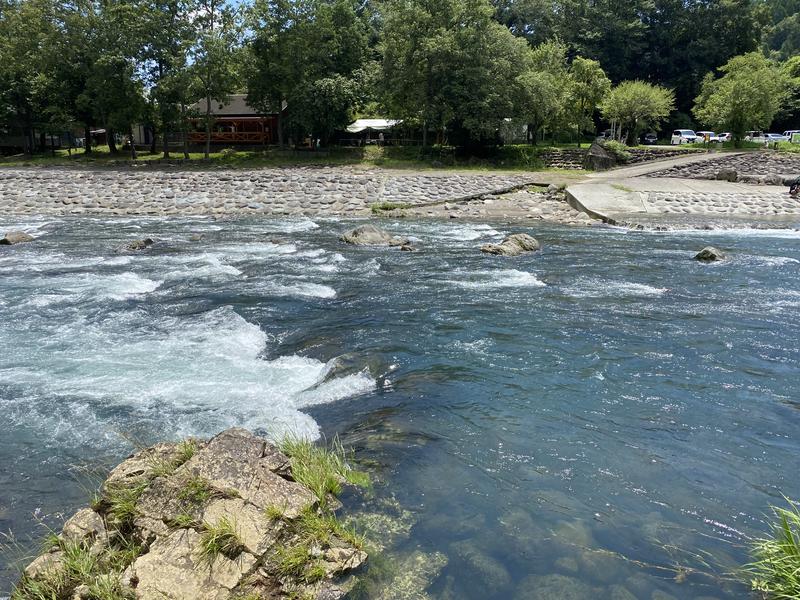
[
  {"x": 748, "y": 95},
  {"x": 309, "y": 56},
  {"x": 542, "y": 87},
  {"x": 636, "y": 105},
  {"x": 214, "y": 63},
  {"x": 589, "y": 86},
  {"x": 449, "y": 65}
]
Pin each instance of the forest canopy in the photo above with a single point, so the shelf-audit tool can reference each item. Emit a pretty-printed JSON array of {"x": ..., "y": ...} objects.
[{"x": 460, "y": 71}]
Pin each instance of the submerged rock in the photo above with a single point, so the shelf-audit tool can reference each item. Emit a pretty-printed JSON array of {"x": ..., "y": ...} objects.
[
  {"x": 15, "y": 237},
  {"x": 415, "y": 574},
  {"x": 370, "y": 235},
  {"x": 549, "y": 587},
  {"x": 212, "y": 520},
  {"x": 709, "y": 254},
  {"x": 513, "y": 245}
]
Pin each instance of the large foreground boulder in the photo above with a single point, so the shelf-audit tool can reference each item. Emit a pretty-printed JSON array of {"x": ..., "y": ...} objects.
[
  {"x": 15, "y": 237},
  {"x": 370, "y": 235},
  {"x": 513, "y": 245},
  {"x": 709, "y": 254},
  {"x": 200, "y": 520}
]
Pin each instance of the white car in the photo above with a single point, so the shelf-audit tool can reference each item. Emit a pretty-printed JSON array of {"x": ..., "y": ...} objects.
[
  {"x": 683, "y": 136},
  {"x": 773, "y": 138},
  {"x": 755, "y": 136},
  {"x": 725, "y": 137},
  {"x": 790, "y": 133},
  {"x": 702, "y": 135}
]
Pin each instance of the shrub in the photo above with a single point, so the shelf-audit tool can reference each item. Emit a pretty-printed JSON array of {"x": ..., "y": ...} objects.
[
  {"x": 618, "y": 150},
  {"x": 776, "y": 568}
]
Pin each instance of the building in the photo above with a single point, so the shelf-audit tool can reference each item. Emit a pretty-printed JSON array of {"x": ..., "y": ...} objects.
[{"x": 235, "y": 123}]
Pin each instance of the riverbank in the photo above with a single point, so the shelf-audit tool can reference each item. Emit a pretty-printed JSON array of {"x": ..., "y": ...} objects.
[{"x": 639, "y": 200}]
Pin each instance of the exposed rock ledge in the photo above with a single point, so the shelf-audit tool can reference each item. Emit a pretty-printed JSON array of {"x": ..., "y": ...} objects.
[{"x": 205, "y": 520}]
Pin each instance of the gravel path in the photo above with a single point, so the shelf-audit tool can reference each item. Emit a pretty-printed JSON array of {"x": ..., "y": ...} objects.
[{"x": 308, "y": 191}]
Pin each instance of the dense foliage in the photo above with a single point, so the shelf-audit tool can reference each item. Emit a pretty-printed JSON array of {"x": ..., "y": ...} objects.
[{"x": 463, "y": 72}]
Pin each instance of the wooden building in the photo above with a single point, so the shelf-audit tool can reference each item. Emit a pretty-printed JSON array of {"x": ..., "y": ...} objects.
[{"x": 235, "y": 123}]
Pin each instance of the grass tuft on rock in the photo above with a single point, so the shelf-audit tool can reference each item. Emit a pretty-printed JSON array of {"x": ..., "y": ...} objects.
[
  {"x": 220, "y": 539},
  {"x": 322, "y": 470},
  {"x": 161, "y": 467},
  {"x": 775, "y": 572},
  {"x": 120, "y": 504},
  {"x": 382, "y": 207}
]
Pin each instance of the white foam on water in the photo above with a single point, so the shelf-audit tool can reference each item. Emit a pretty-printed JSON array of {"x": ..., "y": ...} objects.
[
  {"x": 192, "y": 375},
  {"x": 300, "y": 225},
  {"x": 303, "y": 289},
  {"x": 503, "y": 278},
  {"x": 89, "y": 286},
  {"x": 599, "y": 288},
  {"x": 775, "y": 261}
]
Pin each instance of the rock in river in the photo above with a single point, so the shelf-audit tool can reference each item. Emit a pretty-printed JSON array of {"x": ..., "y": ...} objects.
[
  {"x": 513, "y": 245},
  {"x": 211, "y": 520},
  {"x": 15, "y": 237},
  {"x": 136, "y": 245},
  {"x": 369, "y": 235},
  {"x": 709, "y": 254}
]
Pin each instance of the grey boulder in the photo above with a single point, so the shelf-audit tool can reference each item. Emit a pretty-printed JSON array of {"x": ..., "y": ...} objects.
[
  {"x": 709, "y": 254},
  {"x": 513, "y": 245},
  {"x": 727, "y": 175},
  {"x": 136, "y": 246},
  {"x": 370, "y": 235},
  {"x": 15, "y": 237}
]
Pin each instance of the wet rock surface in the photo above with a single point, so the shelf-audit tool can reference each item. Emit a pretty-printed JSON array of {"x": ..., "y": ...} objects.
[
  {"x": 15, "y": 237},
  {"x": 513, "y": 245},
  {"x": 201, "y": 520},
  {"x": 370, "y": 235},
  {"x": 709, "y": 254}
]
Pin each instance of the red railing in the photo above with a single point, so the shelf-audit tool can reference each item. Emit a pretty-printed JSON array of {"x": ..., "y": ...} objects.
[{"x": 231, "y": 137}]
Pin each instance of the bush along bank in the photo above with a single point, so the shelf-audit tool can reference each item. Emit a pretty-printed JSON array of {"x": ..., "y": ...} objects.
[
  {"x": 775, "y": 570},
  {"x": 234, "y": 517}
]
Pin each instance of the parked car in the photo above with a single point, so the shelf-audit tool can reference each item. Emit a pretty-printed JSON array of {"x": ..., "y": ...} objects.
[
  {"x": 755, "y": 136},
  {"x": 725, "y": 137},
  {"x": 772, "y": 138},
  {"x": 683, "y": 136},
  {"x": 650, "y": 138},
  {"x": 790, "y": 133},
  {"x": 707, "y": 135}
]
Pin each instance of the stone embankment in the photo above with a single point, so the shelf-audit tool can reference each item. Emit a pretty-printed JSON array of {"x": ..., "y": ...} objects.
[
  {"x": 765, "y": 168},
  {"x": 296, "y": 191},
  {"x": 233, "y": 517}
]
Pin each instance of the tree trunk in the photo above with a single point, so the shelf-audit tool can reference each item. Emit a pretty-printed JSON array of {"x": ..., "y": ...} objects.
[
  {"x": 185, "y": 125},
  {"x": 152, "y": 139},
  {"x": 112, "y": 144},
  {"x": 166, "y": 143},
  {"x": 87, "y": 144},
  {"x": 280, "y": 126},
  {"x": 424, "y": 135},
  {"x": 133, "y": 143},
  {"x": 208, "y": 128}
]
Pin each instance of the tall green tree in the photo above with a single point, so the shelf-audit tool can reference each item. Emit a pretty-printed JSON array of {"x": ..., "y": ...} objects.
[
  {"x": 449, "y": 64},
  {"x": 542, "y": 89},
  {"x": 215, "y": 57},
  {"x": 588, "y": 87},
  {"x": 634, "y": 106},
  {"x": 748, "y": 95}
]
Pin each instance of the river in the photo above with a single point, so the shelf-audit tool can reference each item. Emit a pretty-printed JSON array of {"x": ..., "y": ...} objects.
[{"x": 606, "y": 417}]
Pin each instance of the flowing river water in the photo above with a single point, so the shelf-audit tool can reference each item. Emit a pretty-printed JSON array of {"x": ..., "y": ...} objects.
[{"x": 607, "y": 418}]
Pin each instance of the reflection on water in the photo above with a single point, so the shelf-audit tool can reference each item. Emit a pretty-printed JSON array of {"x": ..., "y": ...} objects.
[{"x": 605, "y": 419}]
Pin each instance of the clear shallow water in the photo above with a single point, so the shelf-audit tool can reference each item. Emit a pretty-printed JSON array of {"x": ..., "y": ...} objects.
[{"x": 608, "y": 410}]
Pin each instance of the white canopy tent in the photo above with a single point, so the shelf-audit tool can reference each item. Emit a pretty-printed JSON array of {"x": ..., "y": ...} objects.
[{"x": 362, "y": 125}]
